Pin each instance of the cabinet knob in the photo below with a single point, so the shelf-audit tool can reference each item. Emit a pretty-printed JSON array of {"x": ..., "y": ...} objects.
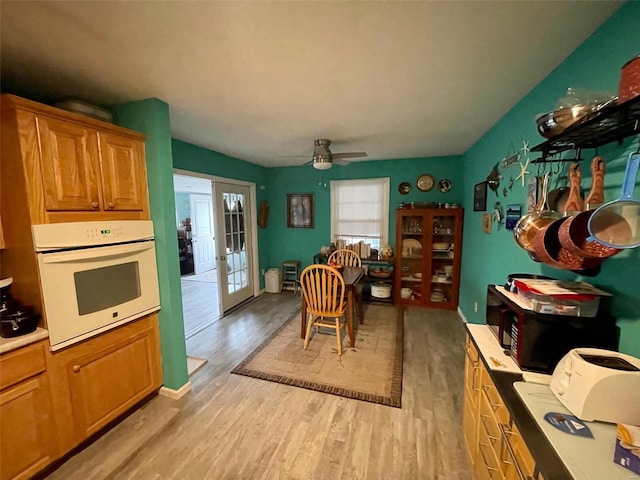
[
  {"x": 95, "y": 205},
  {"x": 112, "y": 205},
  {"x": 76, "y": 368}
]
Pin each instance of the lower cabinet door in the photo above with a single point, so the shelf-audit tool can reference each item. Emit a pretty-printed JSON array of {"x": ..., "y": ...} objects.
[
  {"x": 107, "y": 382},
  {"x": 27, "y": 440},
  {"x": 487, "y": 465},
  {"x": 470, "y": 428},
  {"x": 109, "y": 374}
]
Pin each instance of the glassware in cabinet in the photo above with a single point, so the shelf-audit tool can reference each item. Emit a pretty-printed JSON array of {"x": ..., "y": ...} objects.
[{"x": 428, "y": 243}]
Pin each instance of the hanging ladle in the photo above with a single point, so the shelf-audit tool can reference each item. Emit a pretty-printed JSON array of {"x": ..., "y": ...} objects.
[{"x": 617, "y": 224}]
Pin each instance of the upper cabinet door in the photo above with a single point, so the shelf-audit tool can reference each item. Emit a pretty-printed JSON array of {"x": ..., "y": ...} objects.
[
  {"x": 124, "y": 182},
  {"x": 69, "y": 164}
]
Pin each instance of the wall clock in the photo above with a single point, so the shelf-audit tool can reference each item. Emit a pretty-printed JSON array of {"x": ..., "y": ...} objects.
[{"x": 425, "y": 182}]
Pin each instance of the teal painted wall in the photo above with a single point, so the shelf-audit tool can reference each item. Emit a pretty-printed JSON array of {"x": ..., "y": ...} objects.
[
  {"x": 200, "y": 160},
  {"x": 301, "y": 243},
  {"x": 489, "y": 258},
  {"x": 151, "y": 116}
]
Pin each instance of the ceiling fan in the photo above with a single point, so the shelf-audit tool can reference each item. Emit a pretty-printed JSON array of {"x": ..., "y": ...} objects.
[{"x": 323, "y": 158}]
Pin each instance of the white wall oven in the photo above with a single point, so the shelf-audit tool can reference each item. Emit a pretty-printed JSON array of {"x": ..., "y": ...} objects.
[{"x": 95, "y": 276}]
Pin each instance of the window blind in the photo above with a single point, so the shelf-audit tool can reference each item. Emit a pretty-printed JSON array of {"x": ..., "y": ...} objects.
[{"x": 360, "y": 211}]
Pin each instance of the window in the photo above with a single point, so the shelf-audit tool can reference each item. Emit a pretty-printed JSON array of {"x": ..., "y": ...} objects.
[{"x": 360, "y": 211}]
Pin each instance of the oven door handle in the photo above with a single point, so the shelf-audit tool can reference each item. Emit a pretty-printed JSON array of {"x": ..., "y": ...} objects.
[{"x": 95, "y": 252}]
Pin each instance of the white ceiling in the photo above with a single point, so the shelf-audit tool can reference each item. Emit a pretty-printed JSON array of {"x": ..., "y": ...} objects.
[{"x": 259, "y": 80}]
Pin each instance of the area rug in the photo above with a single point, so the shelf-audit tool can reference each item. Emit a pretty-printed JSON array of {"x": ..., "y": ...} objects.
[{"x": 370, "y": 371}]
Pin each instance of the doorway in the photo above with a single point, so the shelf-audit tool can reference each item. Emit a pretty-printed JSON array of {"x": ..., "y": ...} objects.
[
  {"x": 221, "y": 256},
  {"x": 196, "y": 249},
  {"x": 234, "y": 243}
]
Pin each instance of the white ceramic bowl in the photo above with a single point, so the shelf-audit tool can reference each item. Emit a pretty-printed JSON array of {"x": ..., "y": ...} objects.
[
  {"x": 405, "y": 293},
  {"x": 440, "y": 246}
]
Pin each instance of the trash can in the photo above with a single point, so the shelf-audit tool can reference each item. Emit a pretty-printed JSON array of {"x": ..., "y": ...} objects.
[{"x": 272, "y": 280}]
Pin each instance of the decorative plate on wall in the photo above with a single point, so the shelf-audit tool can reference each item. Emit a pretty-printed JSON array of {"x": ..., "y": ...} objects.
[
  {"x": 444, "y": 185},
  {"x": 425, "y": 182},
  {"x": 404, "y": 188}
]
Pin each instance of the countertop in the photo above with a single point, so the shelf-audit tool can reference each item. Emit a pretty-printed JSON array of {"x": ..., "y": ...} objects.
[
  {"x": 552, "y": 462},
  {"x": 586, "y": 458},
  {"x": 8, "y": 344}
]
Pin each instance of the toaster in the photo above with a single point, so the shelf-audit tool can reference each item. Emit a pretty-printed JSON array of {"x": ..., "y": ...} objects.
[{"x": 596, "y": 384}]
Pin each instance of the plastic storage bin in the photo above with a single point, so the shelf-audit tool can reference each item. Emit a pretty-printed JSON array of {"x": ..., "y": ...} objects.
[
  {"x": 576, "y": 305},
  {"x": 272, "y": 280}
]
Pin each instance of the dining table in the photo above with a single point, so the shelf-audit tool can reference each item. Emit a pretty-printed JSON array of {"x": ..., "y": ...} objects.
[{"x": 353, "y": 277}]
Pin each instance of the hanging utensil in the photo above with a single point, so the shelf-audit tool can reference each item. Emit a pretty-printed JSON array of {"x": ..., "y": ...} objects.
[
  {"x": 525, "y": 230},
  {"x": 573, "y": 233},
  {"x": 546, "y": 242},
  {"x": 574, "y": 203},
  {"x": 557, "y": 197},
  {"x": 617, "y": 224}
]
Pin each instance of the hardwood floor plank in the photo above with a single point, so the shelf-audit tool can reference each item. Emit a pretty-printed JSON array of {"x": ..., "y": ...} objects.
[{"x": 236, "y": 427}]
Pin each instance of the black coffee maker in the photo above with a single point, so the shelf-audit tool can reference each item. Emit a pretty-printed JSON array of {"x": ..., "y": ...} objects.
[{"x": 15, "y": 319}]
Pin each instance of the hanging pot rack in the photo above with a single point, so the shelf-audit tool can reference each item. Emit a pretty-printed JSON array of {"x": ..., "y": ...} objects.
[{"x": 613, "y": 123}]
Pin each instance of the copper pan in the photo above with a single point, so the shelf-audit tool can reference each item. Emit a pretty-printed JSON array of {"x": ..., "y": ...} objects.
[
  {"x": 574, "y": 233},
  {"x": 547, "y": 245},
  {"x": 530, "y": 224}
]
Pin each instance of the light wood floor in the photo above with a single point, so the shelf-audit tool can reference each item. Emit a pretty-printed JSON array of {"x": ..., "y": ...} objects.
[
  {"x": 199, "y": 303},
  {"x": 235, "y": 427}
]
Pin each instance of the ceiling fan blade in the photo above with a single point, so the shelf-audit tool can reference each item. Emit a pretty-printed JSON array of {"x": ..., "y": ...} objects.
[
  {"x": 339, "y": 161},
  {"x": 348, "y": 155},
  {"x": 295, "y": 156}
]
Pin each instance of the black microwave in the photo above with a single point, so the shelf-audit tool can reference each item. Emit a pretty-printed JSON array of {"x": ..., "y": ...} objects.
[{"x": 538, "y": 341}]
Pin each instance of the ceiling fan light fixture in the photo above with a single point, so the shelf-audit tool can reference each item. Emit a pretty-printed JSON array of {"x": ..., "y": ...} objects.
[{"x": 322, "y": 164}]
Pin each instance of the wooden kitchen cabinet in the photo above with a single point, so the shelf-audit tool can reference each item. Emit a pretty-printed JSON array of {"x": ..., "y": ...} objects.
[
  {"x": 496, "y": 448},
  {"x": 105, "y": 376},
  {"x": 123, "y": 172},
  {"x": 428, "y": 257},
  {"x": 68, "y": 167},
  {"x": 27, "y": 427},
  {"x": 471, "y": 398}
]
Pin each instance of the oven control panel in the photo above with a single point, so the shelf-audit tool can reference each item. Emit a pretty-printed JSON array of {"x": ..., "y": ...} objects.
[
  {"x": 57, "y": 236},
  {"x": 105, "y": 233}
]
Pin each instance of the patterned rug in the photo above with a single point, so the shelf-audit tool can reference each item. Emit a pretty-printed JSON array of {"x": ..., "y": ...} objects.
[{"x": 370, "y": 371}]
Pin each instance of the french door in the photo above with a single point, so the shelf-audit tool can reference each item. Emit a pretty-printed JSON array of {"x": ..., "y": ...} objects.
[{"x": 233, "y": 243}]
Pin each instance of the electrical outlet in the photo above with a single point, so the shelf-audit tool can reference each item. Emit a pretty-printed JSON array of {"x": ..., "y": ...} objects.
[
  {"x": 263, "y": 275},
  {"x": 475, "y": 306}
]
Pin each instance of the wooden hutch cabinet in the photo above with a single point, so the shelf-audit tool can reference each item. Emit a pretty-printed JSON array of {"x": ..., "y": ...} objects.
[{"x": 427, "y": 260}]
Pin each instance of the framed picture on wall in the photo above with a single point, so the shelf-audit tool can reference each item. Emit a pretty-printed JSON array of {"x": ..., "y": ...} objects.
[
  {"x": 480, "y": 197},
  {"x": 300, "y": 210}
]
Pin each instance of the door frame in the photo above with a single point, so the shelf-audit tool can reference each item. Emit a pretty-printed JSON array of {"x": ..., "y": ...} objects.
[{"x": 253, "y": 217}]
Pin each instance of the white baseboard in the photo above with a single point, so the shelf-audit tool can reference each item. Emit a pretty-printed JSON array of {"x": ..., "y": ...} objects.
[
  {"x": 175, "y": 394},
  {"x": 464, "y": 319}
]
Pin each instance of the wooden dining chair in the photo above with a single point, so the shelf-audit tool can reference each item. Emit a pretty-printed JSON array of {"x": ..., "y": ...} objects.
[
  {"x": 349, "y": 258},
  {"x": 345, "y": 257},
  {"x": 323, "y": 289}
]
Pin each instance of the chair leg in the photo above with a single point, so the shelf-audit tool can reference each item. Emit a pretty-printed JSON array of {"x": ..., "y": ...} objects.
[
  {"x": 309, "y": 327},
  {"x": 338, "y": 336}
]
